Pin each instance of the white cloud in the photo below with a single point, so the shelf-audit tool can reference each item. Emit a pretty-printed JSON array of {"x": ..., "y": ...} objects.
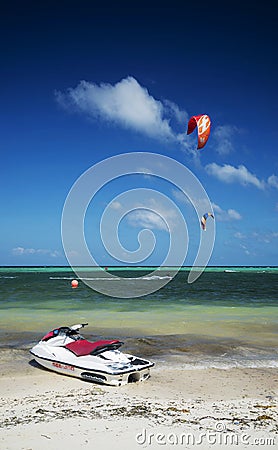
[
  {"x": 273, "y": 181},
  {"x": 239, "y": 235},
  {"x": 153, "y": 215},
  {"x": 173, "y": 111},
  {"x": 231, "y": 174},
  {"x": 221, "y": 214},
  {"x": 180, "y": 196},
  {"x": 266, "y": 238},
  {"x": 233, "y": 214},
  {"x": 257, "y": 237},
  {"x": 225, "y": 216},
  {"x": 23, "y": 251},
  {"x": 127, "y": 104},
  {"x": 116, "y": 205},
  {"x": 146, "y": 219},
  {"x": 223, "y": 135},
  {"x": 246, "y": 251},
  {"x": 18, "y": 251}
]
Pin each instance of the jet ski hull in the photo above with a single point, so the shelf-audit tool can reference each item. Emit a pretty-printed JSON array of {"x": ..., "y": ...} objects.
[
  {"x": 65, "y": 351},
  {"x": 119, "y": 378}
]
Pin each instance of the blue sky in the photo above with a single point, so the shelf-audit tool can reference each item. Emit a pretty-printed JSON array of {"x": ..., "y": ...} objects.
[{"x": 82, "y": 82}]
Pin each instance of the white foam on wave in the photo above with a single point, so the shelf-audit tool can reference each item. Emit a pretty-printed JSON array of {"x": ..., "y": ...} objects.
[
  {"x": 218, "y": 363},
  {"x": 115, "y": 278},
  {"x": 7, "y": 278}
]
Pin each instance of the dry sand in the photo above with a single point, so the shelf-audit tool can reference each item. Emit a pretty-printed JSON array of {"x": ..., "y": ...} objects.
[{"x": 174, "y": 409}]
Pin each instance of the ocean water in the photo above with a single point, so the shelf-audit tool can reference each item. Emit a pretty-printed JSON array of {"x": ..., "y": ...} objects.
[{"x": 227, "y": 318}]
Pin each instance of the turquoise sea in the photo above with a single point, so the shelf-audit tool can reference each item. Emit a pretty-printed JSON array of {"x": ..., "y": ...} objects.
[{"x": 227, "y": 318}]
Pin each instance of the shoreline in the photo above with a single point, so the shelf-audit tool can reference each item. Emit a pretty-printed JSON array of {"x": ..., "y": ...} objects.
[
  {"x": 43, "y": 410},
  {"x": 186, "y": 352}
]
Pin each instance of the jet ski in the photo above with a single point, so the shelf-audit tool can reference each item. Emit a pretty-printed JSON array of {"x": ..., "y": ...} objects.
[{"x": 64, "y": 350}]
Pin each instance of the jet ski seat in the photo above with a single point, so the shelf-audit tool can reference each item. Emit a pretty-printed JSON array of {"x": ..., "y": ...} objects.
[{"x": 82, "y": 347}]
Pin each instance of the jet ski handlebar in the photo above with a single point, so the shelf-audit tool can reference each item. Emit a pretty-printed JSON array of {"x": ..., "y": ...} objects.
[
  {"x": 65, "y": 331},
  {"x": 78, "y": 326}
]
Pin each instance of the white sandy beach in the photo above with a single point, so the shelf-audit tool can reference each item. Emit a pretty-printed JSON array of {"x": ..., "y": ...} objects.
[{"x": 205, "y": 408}]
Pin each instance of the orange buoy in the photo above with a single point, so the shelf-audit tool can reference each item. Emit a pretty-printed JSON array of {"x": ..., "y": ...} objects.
[{"x": 74, "y": 284}]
